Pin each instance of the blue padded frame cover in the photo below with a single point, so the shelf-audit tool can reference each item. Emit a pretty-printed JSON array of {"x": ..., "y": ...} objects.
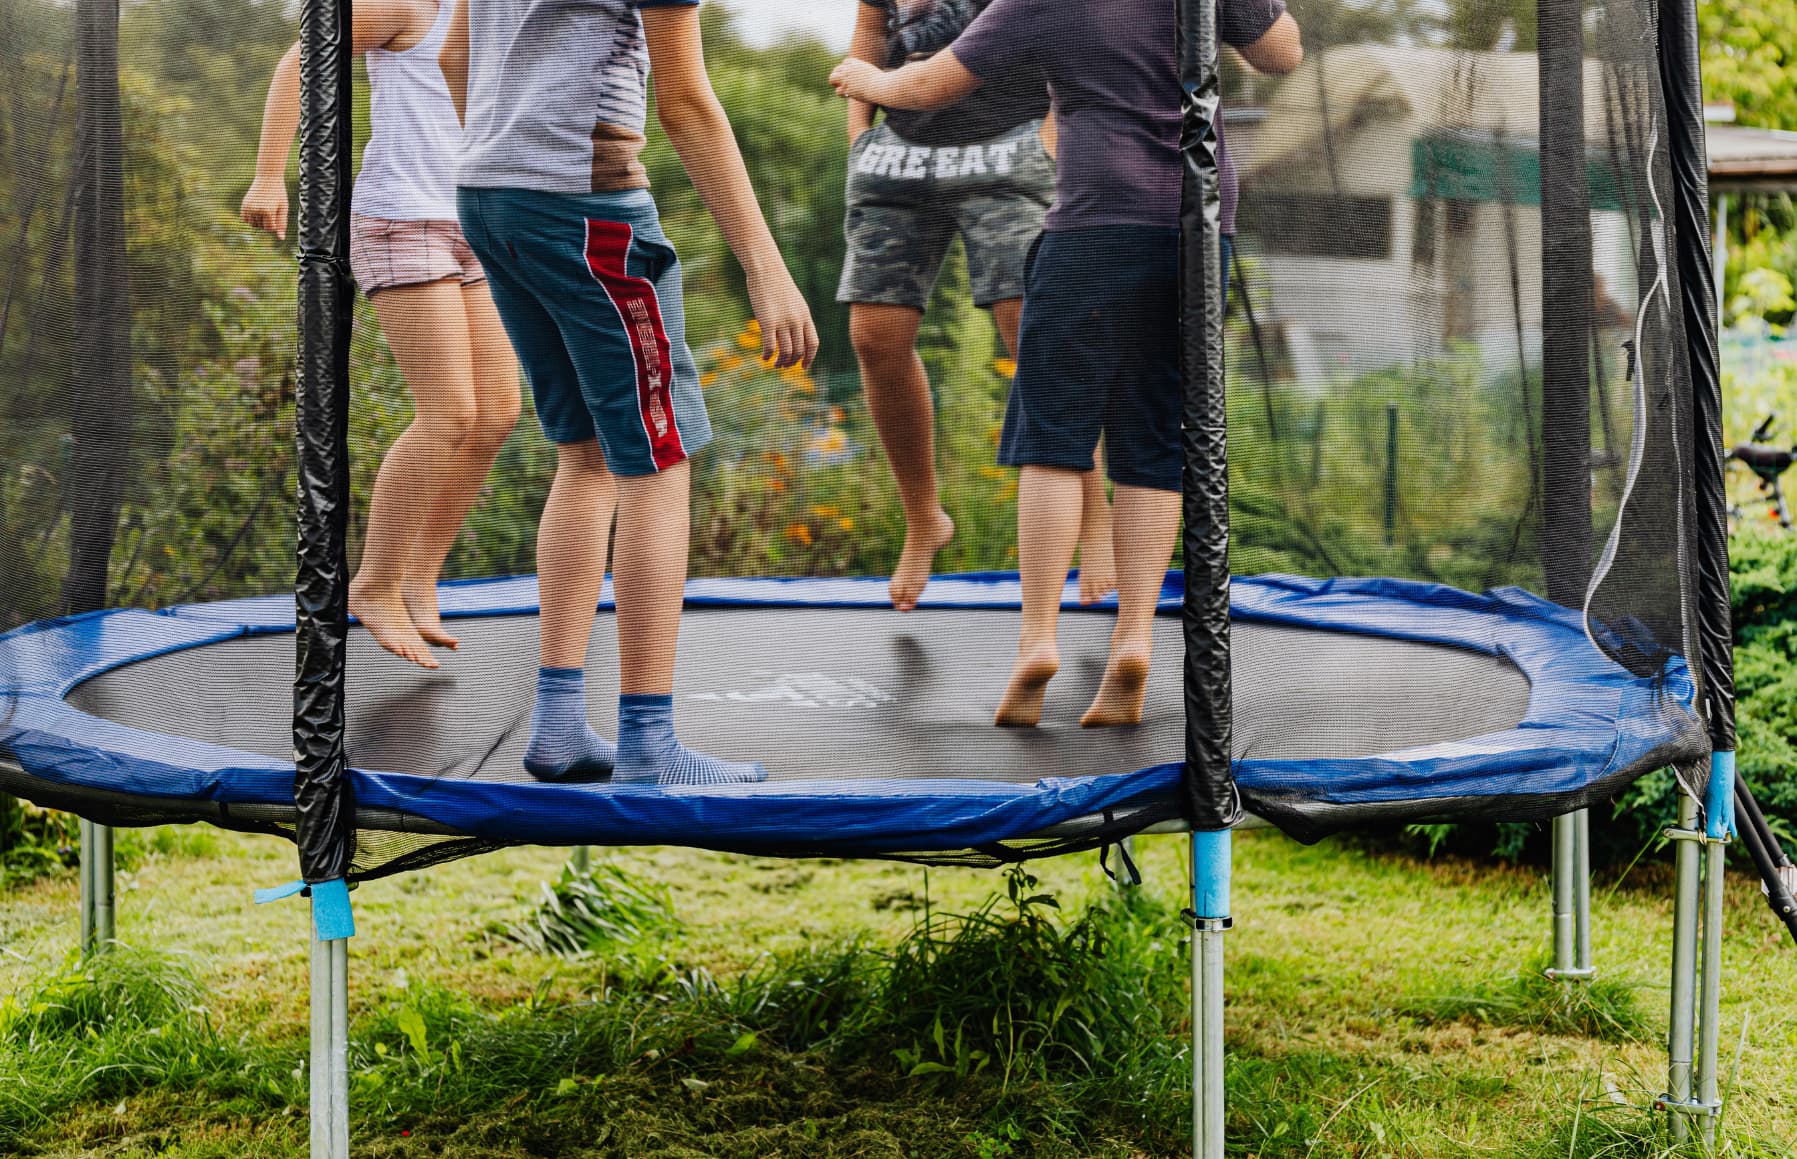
[{"x": 1588, "y": 719}]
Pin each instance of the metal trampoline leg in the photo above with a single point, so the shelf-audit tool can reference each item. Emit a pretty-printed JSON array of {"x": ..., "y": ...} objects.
[
  {"x": 1210, "y": 921},
  {"x": 328, "y": 1076},
  {"x": 1681, "y": 1039},
  {"x": 1709, "y": 1017},
  {"x": 1572, "y": 898},
  {"x": 97, "y": 915}
]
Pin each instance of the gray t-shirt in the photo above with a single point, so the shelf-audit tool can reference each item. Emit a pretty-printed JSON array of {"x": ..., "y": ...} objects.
[
  {"x": 918, "y": 30},
  {"x": 1113, "y": 71},
  {"x": 558, "y": 94}
]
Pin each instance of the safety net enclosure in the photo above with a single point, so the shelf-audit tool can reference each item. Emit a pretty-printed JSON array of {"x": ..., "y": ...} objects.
[{"x": 1462, "y": 491}]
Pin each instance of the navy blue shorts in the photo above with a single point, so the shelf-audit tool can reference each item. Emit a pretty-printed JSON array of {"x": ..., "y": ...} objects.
[
  {"x": 589, "y": 290},
  {"x": 1098, "y": 354}
]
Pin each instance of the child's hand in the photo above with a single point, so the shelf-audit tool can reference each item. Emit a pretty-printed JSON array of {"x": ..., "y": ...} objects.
[
  {"x": 857, "y": 80},
  {"x": 265, "y": 207},
  {"x": 788, "y": 336}
]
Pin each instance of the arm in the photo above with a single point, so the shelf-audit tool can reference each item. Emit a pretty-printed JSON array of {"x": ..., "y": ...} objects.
[
  {"x": 924, "y": 85},
  {"x": 453, "y": 60},
  {"x": 265, "y": 205},
  {"x": 700, "y": 132},
  {"x": 1279, "y": 50},
  {"x": 377, "y": 24},
  {"x": 869, "y": 44}
]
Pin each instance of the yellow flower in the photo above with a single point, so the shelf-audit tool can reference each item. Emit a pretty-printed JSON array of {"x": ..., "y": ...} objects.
[
  {"x": 846, "y": 523},
  {"x": 799, "y": 534},
  {"x": 1007, "y": 367},
  {"x": 826, "y": 512},
  {"x": 708, "y": 380},
  {"x": 998, "y": 473}
]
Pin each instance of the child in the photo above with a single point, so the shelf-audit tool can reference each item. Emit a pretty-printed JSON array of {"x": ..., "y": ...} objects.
[
  {"x": 980, "y": 169},
  {"x": 1099, "y": 349},
  {"x": 553, "y": 196},
  {"x": 409, "y": 256}
]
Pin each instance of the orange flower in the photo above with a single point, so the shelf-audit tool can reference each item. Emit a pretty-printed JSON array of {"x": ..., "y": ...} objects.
[
  {"x": 799, "y": 534},
  {"x": 846, "y": 523},
  {"x": 1007, "y": 367},
  {"x": 708, "y": 380}
]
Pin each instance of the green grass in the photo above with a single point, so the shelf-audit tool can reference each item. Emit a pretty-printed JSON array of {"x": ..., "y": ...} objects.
[{"x": 709, "y": 1005}]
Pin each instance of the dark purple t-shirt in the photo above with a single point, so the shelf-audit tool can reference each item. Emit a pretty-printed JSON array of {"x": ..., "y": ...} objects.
[{"x": 1113, "y": 71}]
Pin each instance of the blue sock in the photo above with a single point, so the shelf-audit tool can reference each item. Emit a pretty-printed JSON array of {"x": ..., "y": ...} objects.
[
  {"x": 650, "y": 754},
  {"x": 562, "y": 744}
]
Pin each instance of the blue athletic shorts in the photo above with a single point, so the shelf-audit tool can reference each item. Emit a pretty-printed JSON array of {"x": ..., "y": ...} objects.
[
  {"x": 1098, "y": 354},
  {"x": 589, "y": 290}
]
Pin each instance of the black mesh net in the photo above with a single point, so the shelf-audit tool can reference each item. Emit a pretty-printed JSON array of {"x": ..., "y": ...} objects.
[{"x": 1455, "y": 361}]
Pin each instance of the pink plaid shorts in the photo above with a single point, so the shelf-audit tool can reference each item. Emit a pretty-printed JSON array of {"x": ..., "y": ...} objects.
[{"x": 384, "y": 253}]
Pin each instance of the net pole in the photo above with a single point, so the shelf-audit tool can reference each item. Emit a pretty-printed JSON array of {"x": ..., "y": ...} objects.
[
  {"x": 1213, "y": 804},
  {"x": 321, "y": 587},
  {"x": 1566, "y": 286},
  {"x": 101, "y": 416}
]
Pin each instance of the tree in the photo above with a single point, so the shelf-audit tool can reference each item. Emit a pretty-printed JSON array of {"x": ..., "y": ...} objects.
[{"x": 1750, "y": 59}]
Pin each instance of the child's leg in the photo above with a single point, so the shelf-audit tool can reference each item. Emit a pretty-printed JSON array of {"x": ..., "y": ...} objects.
[
  {"x": 1097, "y": 567},
  {"x": 1147, "y": 521},
  {"x": 496, "y": 406},
  {"x": 898, "y": 397},
  {"x": 425, "y": 329},
  {"x": 1048, "y": 511},
  {"x": 571, "y": 549},
  {"x": 649, "y": 581}
]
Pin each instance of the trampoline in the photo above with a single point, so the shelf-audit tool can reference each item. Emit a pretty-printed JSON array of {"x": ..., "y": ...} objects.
[
  {"x": 1454, "y": 543},
  {"x": 1496, "y": 705}
]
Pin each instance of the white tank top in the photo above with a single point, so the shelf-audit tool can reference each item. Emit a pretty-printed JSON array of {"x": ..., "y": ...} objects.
[{"x": 409, "y": 164}]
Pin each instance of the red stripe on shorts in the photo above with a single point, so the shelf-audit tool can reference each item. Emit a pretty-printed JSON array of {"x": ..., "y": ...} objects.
[{"x": 608, "y": 248}]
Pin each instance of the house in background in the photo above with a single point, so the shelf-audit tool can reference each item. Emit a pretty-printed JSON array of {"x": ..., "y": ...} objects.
[{"x": 1392, "y": 258}]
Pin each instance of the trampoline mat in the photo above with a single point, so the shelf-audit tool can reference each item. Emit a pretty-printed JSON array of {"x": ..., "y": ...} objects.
[{"x": 834, "y": 693}]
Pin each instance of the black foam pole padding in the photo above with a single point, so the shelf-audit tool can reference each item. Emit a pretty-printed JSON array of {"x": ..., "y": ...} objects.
[
  {"x": 321, "y": 589},
  {"x": 1211, "y": 797},
  {"x": 1682, "y": 82},
  {"x": 1761, "y": 845},
  {"x": 1566, "y": 292},
  {"x": 101, "y": 405}
]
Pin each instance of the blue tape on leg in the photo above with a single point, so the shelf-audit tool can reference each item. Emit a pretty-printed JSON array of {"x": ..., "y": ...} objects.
[
  {"x": 279, "y": 892},
  {"x": 1719, "y": 797},
  {"x": 331, "y": 916},
  {"x": 1211, "y": 864}
]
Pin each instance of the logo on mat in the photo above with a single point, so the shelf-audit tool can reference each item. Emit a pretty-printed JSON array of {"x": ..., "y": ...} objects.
[{"x": 802, "y": 690}]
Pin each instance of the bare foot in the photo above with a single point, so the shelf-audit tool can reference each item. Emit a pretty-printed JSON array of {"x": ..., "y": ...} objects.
[
  {"x": 421, "y": 605},
  {"x": 912, "y": 574},
  {"x": 388, "y": 621},
  {"x": 1022, "y": 703},
  {"x": 1125, "y": 686},
  {"x": 1097, "y": 565}
]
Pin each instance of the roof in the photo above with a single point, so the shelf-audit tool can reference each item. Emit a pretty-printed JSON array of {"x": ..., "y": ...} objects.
[
  {"x": 1447, "y": 89},
  {"x": 1751, "y": 159},
  {"x": 1482, "y": 92}
]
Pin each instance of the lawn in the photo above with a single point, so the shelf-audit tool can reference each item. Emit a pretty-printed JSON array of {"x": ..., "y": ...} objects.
[{"x": 1378, "y": 1006}]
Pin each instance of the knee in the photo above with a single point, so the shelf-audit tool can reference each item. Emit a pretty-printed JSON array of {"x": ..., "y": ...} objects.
[
  {"x": 495, "y": 424},
  {"x": 450, "y": 425},
  {"x": 879, "y": 347},
  {"x": 583, "y": 461}
]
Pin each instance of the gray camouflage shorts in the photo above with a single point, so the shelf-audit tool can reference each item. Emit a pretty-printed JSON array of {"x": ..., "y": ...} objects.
[{"x": 907, "y": 202}]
